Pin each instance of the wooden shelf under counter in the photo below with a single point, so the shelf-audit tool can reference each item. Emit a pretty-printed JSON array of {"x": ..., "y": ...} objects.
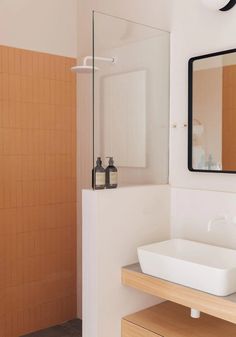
[
  {"x": 220, "y": 307},
  {"x": 173, "y": 320}
]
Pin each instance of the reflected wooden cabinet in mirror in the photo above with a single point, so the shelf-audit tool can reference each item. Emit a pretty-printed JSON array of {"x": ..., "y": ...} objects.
[{"x": 212, "y": 113}]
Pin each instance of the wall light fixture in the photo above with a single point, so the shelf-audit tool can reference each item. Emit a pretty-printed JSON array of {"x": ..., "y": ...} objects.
[{"x": 222, "y": 5}]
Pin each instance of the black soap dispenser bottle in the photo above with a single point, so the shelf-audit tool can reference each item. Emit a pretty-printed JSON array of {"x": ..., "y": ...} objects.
[
  {"x": 111, "y": 174},
  {"x": 98, "y": 176}
]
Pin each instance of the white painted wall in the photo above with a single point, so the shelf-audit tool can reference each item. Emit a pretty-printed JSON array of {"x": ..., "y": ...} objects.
[
  {"x": 156, "y": 13},
  {"x": 115, "y": 223},
  {"x": 195, "y": 30},
  {"x": 191, "y": 211},
  {"x": 46, "y": 25}
]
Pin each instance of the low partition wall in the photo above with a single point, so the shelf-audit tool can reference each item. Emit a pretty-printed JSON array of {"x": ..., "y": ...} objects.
[{"x": 115, "y": 223}]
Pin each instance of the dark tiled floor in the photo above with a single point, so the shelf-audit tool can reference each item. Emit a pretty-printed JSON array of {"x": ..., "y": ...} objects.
[{"x": 69, "y": 329}]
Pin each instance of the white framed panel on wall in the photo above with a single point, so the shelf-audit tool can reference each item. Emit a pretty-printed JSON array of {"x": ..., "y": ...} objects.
[{"x": 124, "y": 118}]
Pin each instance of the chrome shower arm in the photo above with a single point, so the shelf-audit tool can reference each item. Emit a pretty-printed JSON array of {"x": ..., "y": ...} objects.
[{"x": 104, "y": 59}]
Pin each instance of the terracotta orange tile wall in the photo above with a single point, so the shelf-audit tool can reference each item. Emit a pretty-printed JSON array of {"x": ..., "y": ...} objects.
[
  {"x": 37, "y": 191},
  {"x": 229, "y": 118}
]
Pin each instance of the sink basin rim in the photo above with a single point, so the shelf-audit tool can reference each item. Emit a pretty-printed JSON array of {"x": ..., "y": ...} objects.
[{"x": 157, "y": 245}]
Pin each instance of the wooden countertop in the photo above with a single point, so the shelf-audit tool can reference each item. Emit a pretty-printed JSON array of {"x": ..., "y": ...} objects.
[{"x": 221, "y": 307}]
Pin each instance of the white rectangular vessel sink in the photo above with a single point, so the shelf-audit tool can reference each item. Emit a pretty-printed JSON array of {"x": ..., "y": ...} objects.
[{"x": 200, "y": 266}]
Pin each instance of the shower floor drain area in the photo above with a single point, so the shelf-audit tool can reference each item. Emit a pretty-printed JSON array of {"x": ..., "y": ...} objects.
[{"x": 68, "y": 329}]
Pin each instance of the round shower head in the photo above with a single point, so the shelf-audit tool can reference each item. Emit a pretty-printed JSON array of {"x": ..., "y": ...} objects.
[{"x": 83, "y": 69}]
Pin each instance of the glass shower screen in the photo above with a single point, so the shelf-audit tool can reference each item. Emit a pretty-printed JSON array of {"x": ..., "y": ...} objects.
[{"x": 131, "y": 99}]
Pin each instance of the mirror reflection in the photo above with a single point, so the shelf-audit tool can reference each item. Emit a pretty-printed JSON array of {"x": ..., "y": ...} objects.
[{"x": 213, "y": 112}]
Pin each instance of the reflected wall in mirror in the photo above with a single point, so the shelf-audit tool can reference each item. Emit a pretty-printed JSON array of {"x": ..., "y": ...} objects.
[{"x": 212, "y": 113}]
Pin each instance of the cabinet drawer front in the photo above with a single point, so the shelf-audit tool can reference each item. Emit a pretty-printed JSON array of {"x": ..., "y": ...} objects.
[{"x": 132, "y": 330}]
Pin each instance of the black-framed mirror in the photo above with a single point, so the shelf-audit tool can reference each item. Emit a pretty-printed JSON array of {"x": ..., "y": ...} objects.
[{"x": 212, "y": 113}]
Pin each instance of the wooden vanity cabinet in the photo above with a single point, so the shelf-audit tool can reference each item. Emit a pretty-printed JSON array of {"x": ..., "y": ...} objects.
[
  {"x": 133, "y": 330},
  {"x": 173, "y": 320}
]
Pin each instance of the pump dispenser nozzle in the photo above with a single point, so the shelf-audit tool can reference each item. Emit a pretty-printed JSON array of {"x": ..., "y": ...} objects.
[
  {"x": 99, "y": 161},
  {"x": 111, "y": 161}
]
